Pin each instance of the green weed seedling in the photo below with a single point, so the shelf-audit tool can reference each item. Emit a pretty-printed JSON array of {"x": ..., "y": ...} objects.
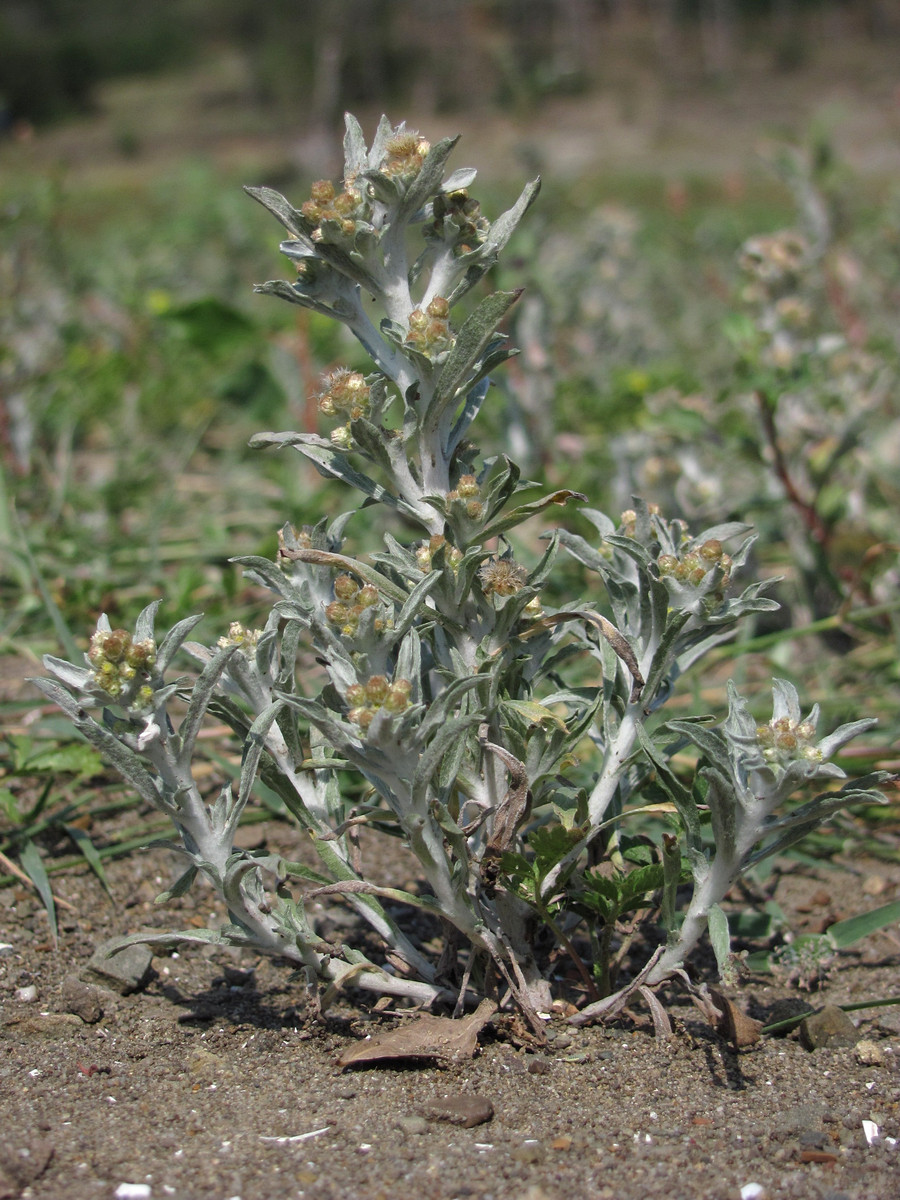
[{"x": 518, "y": 748}]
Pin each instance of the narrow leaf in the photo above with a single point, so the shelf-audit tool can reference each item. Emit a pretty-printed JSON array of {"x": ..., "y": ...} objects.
[
  {"x": 477, "y": 330},
  {"x": 33, "y": 865},
  {"x": 89, "y": 852},
  {"x": 845, "y": 933}
]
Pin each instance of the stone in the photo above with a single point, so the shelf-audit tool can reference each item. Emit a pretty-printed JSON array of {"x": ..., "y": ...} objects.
[
  {"x": 538, "y": 1065},
  {"x": 127, "y": 970},
  {"x": 831, "y": 1028},
  {"x": 81, "y": 999},
  {"x": 530, "y": 1152},
  {"x": 463, "y": 1109},
  {"x": 44, "y": 1026},
  {"x": 869, "y": 1054},
  {"x": 412, "y": 1125}
]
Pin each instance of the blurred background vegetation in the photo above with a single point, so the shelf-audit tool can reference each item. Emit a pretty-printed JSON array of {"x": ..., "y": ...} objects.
[
  {"x": 433, "y": 54},
  {"x": 135, "y": 362}
]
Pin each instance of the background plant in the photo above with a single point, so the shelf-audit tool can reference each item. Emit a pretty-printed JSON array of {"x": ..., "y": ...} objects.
[{"x": 461, "y": 697}]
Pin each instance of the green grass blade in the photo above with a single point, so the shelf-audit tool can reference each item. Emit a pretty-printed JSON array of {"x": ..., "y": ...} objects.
[
  {"x": 33, "y": 866},
  {"x": 71, "y": 649},
  {"x": 845, "y": 933},
  {"x": 790, "y": 1023},
  {"x": 89, "y": 852}
]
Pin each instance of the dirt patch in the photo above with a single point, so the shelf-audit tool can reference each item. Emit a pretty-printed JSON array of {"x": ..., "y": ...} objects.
[{"x": 216, "y": 1080}]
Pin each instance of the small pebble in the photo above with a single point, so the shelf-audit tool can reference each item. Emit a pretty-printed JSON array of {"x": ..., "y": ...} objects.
[
  {"x": 753, "y": 1191},
  {"x": 127, "y": 970},
  {"x": 874, "y": 885},
  {"x": 27, "y": 995},
  {"x": 529, "y": 1152},
  {"x": 133, "y": 1191},
  {"x": 81, "y": 1000},
  {"x": 538, "y": 1065},
  {"x": 829, "y": 1028},
  {"x": 463, "y": 1110},
  {"x": 869, "y": 1054},
  {"x": 412, "y": 1125}
]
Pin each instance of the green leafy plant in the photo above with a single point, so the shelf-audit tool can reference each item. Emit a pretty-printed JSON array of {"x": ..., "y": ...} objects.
[{"x": 511, "y": 744}]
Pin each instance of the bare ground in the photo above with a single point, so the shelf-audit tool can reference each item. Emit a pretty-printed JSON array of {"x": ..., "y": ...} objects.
[{"x": 216, "y": 1079}]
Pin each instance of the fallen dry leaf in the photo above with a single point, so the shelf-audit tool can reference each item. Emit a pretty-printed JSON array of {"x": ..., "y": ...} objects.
[
  {"x": 440, "y": 1038},
  {"x": 742, "y": 1031}
]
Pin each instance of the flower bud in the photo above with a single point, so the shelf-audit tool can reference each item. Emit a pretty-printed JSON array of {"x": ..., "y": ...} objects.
[
  {"x": 346, "y": 203},
  {"x": 345, "y": 587},
  {"x": 693, "y": 562},
  {"x": 367, "y": 596},
  {"x": 322, "y": 191},
  {"x": 141, "y": 654},
  {"x": 336, "y": 612},
  {"x": 116, "y": 645},
  {"x": 397, "y": 699},
  {"x": 377, "y": 689},
  {"x": 502, "y": 577},
  {"x": 438, "y": 308},
  {"x": 363, "y": 717}
]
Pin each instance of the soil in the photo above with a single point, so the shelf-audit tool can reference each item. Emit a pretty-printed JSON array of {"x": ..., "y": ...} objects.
[{"x": 217, "y": 1079}]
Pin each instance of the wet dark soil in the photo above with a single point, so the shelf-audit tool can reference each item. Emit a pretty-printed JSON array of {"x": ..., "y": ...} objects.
[{"x": 216, "y": 1080}]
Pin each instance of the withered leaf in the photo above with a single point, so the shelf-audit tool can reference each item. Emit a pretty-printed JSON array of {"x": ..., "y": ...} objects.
[
  {"x": 742, "y": 1031},
  {"x": 440, "y": 1038}
]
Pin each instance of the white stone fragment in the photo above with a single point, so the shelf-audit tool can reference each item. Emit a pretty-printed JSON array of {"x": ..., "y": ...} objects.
[
  {"x": 872, "y": 1132},
  {"x": 753, "y": 1191}
]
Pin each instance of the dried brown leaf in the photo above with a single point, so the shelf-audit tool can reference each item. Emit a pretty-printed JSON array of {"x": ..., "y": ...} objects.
[
  {"x": 742, "y": 1031},
  {"x": 426, "y": 1036}
]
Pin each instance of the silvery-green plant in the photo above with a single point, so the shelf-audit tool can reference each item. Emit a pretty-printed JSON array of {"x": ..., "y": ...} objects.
[{"x": 508, "y": 741}]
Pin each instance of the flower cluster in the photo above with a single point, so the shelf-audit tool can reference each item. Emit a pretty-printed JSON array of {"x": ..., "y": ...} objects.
[
  {"x": 378, "y": 693},
  {"x": 458, "y": 220},
  {"x": 429, "y": 331},
  {"x": 405, "y": 152},
  {"x": 695, "y": 565},
  {"x": 326, "y": 204},
  {"x": 466, "y": 496},
  {"x": 427, "y": 550},
  {"x": 345, "y": 392},
  {"x": 238, "y": 635},
  {"x": 502, "y": 577},
  {"x": 783, "y": 740},
  {"x": 122, "y": 666},
  {"x": 351, "y": 602},
  {"x": 773, "y": 262}
]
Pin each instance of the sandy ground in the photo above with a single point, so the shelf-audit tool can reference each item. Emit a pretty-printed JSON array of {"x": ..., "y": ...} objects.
[{"x": 215, "y": 1080}]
